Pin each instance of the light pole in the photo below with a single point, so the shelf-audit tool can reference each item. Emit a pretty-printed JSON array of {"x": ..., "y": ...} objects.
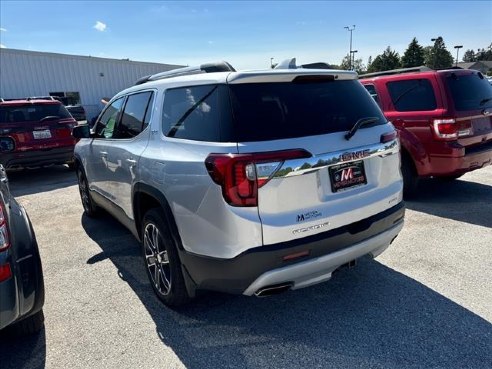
[
  {"x": 350, "y": 29},
  {"x": 271, "y": 63},
  {"x": 352, "y": 56},
  {"x": 457, "y": 47}
]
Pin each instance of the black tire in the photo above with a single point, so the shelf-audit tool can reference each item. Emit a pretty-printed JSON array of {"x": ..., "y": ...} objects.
[
  {"x": 410, "y": 177},
  {"x": 30, "y": 325},
  {"x": 161, "y": 260},
  {"x": 90, "y": 209}
]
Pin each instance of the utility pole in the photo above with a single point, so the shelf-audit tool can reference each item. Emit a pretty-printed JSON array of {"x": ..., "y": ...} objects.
[
  {"x": 271, "y": 63},
  {"x": 350, "y": 29},
  {"x": 457, "y": 47},
  {"x": 352, "y": 53}
]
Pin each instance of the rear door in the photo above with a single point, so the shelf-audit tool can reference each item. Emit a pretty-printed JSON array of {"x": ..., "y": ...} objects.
[
  {"x": 470, "y": 102},
  {"x": 339, "y": 181}
]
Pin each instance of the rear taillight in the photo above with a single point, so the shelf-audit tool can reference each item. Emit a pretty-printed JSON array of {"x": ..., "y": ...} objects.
[
  {"x": 4, "y": 232},
  {"x": 5, "y": 272},
  {"x": 387, "y": 137},
  {"x": 449, "y": 129},
  {"x": 240, "y": 175}
]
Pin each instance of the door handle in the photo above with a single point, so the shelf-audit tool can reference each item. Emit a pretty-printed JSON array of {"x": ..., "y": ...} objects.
[
  {"x": 103, "y": 153},
  {"x": 131, "y": 161}
]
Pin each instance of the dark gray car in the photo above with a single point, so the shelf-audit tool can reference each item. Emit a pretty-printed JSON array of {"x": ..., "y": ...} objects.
[{"x": 21, "y": 275}]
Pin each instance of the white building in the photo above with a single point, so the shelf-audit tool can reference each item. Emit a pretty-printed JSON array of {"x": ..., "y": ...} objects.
[{"x": 82, "y": 80}]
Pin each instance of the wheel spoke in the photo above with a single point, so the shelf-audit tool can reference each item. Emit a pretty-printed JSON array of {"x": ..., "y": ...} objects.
[{"x": 165, "y": 280}]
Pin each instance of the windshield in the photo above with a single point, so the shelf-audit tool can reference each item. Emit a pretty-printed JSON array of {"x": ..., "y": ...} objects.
[
  {"x": 270, "y": 111},
  {"x": 31, "y": 112},
  {"x": 470, "y": 92}
]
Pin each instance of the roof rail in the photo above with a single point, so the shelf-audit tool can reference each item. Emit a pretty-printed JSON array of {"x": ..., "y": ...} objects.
[
  {"x": 222, "y": 66},
  {"x": 422, "y": 68},
  {"x": 40, "y": 98}
]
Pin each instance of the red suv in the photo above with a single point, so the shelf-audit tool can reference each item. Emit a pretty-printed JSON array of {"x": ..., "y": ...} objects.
[
  {"x": 444, "y": 119},
  {"x": 35, "y": 132}
]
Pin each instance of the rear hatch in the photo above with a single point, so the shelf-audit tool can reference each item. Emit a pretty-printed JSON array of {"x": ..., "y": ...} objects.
[
  {"x": 310, "y": 177},
  {"x": 470, "y": 104},
  {"x": 37, "y": 126}
]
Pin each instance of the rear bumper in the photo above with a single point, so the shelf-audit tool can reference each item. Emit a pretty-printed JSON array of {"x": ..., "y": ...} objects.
[
  {"x": 461, "y": 159},
  {"x": 265, "y": 265},
  {"x": 37, "y": 158}
]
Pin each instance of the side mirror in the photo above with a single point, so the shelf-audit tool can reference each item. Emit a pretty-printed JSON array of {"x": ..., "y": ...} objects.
[
  {"x": 81, "y": 131},
  {"x": 3, "y": 175}
]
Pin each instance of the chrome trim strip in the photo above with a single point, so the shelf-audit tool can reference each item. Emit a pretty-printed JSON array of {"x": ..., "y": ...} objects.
[
  {"x": 293, "y": 167},
  {"x": 24, "y": 258}
]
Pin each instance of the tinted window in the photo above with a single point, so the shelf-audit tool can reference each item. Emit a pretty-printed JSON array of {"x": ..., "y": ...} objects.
[
  {"x": 372, "y": 91},
  {"x": 412, "y": 95},
  {"x": 132, "y": 120},
  {"x": 469, "y": 92},
  {"x": 105, "y": 125},
  {"x": 31, "y": 112},
  {"x": 269, "y": 111},
  {"x": 197, "y": 113}
]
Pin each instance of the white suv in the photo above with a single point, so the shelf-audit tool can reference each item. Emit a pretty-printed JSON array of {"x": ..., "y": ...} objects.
[{"x": 250, "y": 182}]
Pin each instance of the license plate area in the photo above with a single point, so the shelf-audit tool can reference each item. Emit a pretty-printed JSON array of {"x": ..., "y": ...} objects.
[
  {"x": 347, "y": 175},
  {"x": 39, "y": 135}
]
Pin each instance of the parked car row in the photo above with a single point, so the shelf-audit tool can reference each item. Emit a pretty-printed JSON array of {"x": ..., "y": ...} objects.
[{"x": 250, "y": 183}]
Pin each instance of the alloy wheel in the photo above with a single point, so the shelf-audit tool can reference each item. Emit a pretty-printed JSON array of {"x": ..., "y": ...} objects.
[{"x": 157, "y": 259}]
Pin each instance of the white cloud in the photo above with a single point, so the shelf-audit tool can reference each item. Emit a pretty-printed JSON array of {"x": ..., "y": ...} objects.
[
  {"x": 100, "y": 26},
  {"x": 3, "y": 30},
  {"x": 3, "y": 46}
]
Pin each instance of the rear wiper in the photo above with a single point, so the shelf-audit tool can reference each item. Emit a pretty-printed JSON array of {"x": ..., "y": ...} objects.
[
  {"x": 485, "y": 100},
  {"x": 360, "y": 123},
  {"x": 50, "y": 117}
]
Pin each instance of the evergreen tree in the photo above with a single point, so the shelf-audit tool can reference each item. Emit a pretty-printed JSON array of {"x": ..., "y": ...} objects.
[
  {"x": 388, "y": 60},
  {"x": 413, "y": 56},
  {"x": 469, "y": 56},
  {"x": 439, "y": 57}
]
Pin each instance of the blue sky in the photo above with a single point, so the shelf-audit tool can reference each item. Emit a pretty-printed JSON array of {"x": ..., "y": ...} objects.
[{"x": 247, "y": 34}]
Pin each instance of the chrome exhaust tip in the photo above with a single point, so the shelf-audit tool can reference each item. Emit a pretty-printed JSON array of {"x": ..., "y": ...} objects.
[{"x": 274, "y": 289}]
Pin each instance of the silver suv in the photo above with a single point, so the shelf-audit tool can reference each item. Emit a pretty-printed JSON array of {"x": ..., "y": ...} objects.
[{"x": 250, "y": 182}]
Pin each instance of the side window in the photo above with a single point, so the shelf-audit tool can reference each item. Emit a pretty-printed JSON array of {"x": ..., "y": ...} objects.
[
  {"x": 412, "y": 95},
  {"x": 372, "y": 90},
  {"x": 105, "y": 125},
  {"x": 195, "y": 113},
  {"x": 133, "y": 117}
]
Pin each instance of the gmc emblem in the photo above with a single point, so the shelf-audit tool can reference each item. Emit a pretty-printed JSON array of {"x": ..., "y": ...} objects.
[{"x": 355, "y": 155}]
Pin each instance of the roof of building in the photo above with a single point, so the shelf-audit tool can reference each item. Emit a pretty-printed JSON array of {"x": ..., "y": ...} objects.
[{"x": 84, "y": 57}]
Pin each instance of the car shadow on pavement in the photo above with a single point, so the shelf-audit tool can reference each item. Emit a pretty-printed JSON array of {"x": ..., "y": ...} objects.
[
  {"x": 23, "y": 352},
  {"x": 30, "y": 181},
  {"x": 369, "y": 316},
  {"x": 459, "y": 200}
]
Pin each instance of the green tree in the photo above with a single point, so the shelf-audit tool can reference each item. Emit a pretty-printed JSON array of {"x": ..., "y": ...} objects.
[
  {"x": 357, "y": 65},
  {"x": 388, "y": 60},
  {"x": 483, "y": 54},
  {"x": 469, "y": 56},
  {"x": 413, "y": 56},
  {"x": 438, "y": 56}
]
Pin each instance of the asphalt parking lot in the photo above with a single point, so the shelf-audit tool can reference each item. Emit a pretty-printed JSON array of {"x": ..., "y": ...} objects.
[{"x": 425, "y": 303}]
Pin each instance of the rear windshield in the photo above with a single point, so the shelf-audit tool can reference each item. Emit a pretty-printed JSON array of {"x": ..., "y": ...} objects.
[
  {"x": 265, "y": 111},
  {"x": 269, "y": 111},
  {"x": 31, "y": 112},
  {"x": 469, "y": 92}
]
